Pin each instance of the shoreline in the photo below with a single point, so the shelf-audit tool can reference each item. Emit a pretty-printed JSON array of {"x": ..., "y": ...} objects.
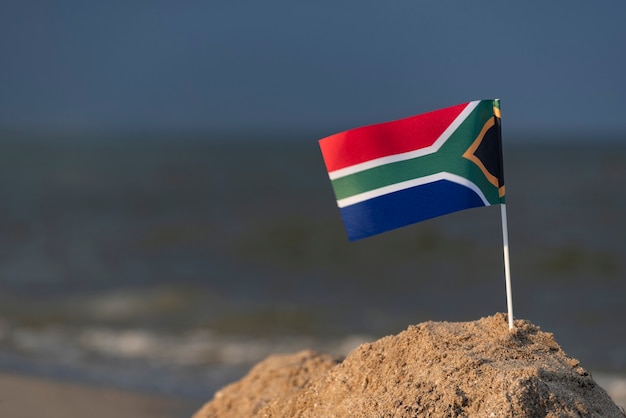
[{"x": 25, "y": 396}]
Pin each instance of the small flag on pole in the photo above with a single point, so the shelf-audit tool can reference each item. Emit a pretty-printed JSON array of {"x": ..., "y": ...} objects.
[{"x": 394, "y": 174}]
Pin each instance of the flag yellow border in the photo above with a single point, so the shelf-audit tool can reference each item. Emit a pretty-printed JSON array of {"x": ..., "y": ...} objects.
[{"x": 469, "y": 154}]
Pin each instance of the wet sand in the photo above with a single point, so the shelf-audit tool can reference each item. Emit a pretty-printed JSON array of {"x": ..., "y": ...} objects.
[{"x": 27, "y": 397}]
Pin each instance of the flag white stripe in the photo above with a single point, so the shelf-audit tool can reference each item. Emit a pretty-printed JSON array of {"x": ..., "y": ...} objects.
[
  {"x": 342, "y": 172},
  {"x": 361, "y": 197}
]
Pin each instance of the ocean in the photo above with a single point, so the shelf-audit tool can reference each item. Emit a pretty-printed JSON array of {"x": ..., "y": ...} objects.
[{"x": 172, "y": 265}]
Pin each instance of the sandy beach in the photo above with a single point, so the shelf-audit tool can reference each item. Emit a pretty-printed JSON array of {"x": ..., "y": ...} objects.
[{"x": 27, "y": 397}]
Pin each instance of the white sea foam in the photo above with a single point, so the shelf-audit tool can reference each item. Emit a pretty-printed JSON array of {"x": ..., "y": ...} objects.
[
  {"x": 191, "y": 363},
  {"x": 192, "y": 348}
]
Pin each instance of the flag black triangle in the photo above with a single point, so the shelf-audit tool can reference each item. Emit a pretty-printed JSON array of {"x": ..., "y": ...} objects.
[{"x": 489, "y": 153}]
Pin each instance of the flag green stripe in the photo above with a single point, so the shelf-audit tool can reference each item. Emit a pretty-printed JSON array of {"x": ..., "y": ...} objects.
[{"x": 386, "y": 175}]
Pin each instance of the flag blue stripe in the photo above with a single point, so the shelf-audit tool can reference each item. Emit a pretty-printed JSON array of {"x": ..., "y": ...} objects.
[{"x": 405, "y": 207}]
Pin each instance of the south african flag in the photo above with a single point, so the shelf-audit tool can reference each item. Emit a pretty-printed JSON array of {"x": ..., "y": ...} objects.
[{"x": 393, "y": 174}]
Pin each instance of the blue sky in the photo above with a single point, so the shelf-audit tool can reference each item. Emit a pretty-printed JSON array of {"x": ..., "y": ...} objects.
[{"x": 290, "y": 66}]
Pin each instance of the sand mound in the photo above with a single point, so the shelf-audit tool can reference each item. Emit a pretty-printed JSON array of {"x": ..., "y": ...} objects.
[{"x": 435, "y": 369}]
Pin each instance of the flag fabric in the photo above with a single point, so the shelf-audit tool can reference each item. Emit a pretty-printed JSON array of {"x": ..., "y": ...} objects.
[{"x": 393, "y": 174}]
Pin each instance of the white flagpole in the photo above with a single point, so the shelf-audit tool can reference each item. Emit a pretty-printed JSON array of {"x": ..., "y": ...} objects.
[{"x": 507, "y": 267}]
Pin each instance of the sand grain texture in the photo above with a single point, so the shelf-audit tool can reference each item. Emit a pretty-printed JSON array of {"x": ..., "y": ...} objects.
[{"x": 434, "y": 369}]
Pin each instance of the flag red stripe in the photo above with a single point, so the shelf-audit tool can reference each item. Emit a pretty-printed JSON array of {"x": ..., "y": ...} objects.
[{"x": 367, "y": 143}]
